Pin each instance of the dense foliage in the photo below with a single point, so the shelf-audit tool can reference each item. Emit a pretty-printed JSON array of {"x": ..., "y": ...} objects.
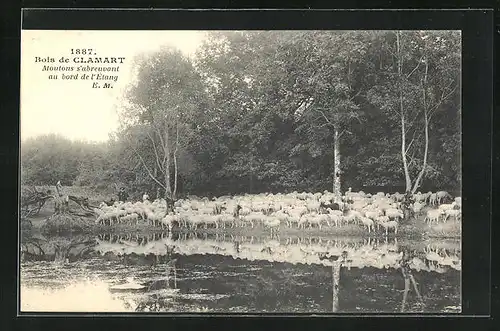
[{"x": 257, "y": 111}]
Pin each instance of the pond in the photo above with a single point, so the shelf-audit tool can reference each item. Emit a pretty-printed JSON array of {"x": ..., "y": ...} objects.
[{"x": 187, "y": 272}]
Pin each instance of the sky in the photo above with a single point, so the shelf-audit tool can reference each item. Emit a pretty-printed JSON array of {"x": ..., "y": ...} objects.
[{"x": 72, "y": 108}]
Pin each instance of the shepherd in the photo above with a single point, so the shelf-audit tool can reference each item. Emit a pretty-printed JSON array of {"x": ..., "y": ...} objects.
[
  {"x": 406, "y": 204},
  {"x": 122, "y": 195}
]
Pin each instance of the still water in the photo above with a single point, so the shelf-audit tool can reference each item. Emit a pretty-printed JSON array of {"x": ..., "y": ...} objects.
[{"x": 233, "y": 274}]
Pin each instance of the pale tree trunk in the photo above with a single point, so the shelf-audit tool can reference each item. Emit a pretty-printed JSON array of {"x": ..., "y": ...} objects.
[
  {"x": 251, "y": 173},
  {"x": 403, "y": 151},
  {"x": 155, "y": 173},
  {"x": 336, "y": 164},
  {"x": 175, "y": 160},
  {"x": 335, "y": 286},
  {"x": 402, "y": 113},
  {"x": 168, "y": 187},
  {"x": 426, "y": 131}
]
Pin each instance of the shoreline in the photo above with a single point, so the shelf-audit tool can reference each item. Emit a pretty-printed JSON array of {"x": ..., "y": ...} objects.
[{"x": 412, "y": 231}]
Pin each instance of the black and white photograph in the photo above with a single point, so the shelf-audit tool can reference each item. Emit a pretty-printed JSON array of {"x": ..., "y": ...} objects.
[{"x": 241, "y": 171}]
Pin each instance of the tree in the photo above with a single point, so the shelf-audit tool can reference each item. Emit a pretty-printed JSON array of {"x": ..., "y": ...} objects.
[
  {"x": 324, "y": 66},
  {"x": 157, "y": 119},
  {"x": 412, "y": 87}
]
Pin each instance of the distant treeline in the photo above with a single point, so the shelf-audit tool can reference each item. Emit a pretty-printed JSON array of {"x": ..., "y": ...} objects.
[{"x": 259, "y": 112}]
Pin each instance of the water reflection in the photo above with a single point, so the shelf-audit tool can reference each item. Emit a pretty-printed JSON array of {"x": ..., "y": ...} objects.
[{"x": 191, "y": 272}]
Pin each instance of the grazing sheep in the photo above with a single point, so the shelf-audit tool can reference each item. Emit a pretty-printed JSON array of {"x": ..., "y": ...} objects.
[
  {"x": 394, "y": 213},
  {"x": 390, "y": 225},
  {"x": 433, "y": 199},
  {"x": 281, "y": 216},
  {"x": 434, "y": 215},
  {"x": 336, "y": 219},
  {"x": 314, "y": 220},
  {"x": 373, "y": 214},
  {"x": 329, "y": 206},
  {"x": 398, "y": 196},
  {"x": 417, "y": 207},
  {"x": 273, "y": 224},
  {"x": 313, "y": 206},
  {"x": 447, "y": 206},
  {"x": 353, "y": 216},
  {"x": 302, "y": 222},
  {"x": 244, "y": 211},
  {"x": 380, "y": 220},
  {"x": 368, "y": 223},
  {"x": 336, "y": 212},
  {"x": 442, "y": 195},
  {"x": 455, "y": 213}
]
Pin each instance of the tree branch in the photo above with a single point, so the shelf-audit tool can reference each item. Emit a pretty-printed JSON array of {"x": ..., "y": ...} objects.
[
  {"x": 443, "y": 98},
  {"x": 324, "y": 116},
  {"x": 146, "y": 167},
  {"x": 157, "y": 157},
  {"x": 416, "y": 67}
]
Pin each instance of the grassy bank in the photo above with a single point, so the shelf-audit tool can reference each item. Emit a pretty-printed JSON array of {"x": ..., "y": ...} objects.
[{"x": 416, "y": 229}]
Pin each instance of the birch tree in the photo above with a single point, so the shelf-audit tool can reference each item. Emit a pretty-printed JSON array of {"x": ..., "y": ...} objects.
[
  {"x": 420, "y": 77},
  {"x": 325, "y": 79},
  {"x": 157, "y": 120}
]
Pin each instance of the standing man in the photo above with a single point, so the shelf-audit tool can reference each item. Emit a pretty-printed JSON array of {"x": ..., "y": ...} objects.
[
  {"x": 122, "y": 195},
  {"x": 406, "y": 204}
]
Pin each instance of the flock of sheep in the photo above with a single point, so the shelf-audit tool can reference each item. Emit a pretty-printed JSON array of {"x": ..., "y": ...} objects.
[{"x": 292, "y": 210}]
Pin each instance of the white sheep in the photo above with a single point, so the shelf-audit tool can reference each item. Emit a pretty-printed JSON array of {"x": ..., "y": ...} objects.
[
  {"x": 373, "y": 214},
  {"x": 273, "y": 224},
  {"x": 313, "y": 206},
  {"x": 336, "y": 219},
  {"x": 302, "y": 222},
  {"x": 393, "y": 213},
  {"x": 434, "y": 215},
  {"x": 381, "y": 219},
  {"x": 417, "y": 207},
  {"x": 353, "y": 216},
  {"x": 447, "y": 206},
  {"x": 455, "y": 213},
  {"x": 390, "y": 225},
  {"x": 433, "y": 199},
  {"x": 441, "y": 195},
  {"x": 314, "y": 220},
  {"x": 368, "y": 223}
]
